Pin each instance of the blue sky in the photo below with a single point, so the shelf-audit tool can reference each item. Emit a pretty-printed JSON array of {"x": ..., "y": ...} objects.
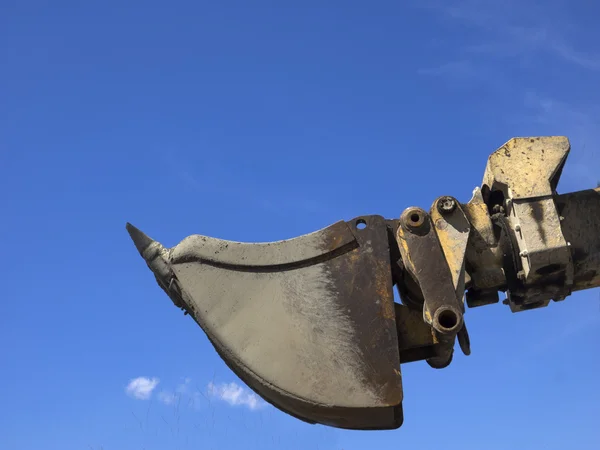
[{"x": 258, "y": 121}]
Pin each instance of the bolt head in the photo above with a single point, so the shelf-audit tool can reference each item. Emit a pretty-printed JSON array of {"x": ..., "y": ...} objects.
[
  {"x": 414, "y": 220},
  {"x": 446, "y": 205},
  {"x": 498, "y": 209}
]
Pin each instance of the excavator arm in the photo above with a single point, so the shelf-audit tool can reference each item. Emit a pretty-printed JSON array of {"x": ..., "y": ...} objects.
[{"x": 311, "y": 325}]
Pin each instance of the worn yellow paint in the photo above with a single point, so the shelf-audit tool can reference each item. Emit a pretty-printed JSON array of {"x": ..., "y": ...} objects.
[
  {"x": 404, "y": 250},
  {"x": 526, "y": 166},
  {"x": 453, "y": 241}
]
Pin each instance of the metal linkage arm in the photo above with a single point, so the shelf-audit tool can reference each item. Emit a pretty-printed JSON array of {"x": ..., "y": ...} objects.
[{"x": 515, "y": 235}]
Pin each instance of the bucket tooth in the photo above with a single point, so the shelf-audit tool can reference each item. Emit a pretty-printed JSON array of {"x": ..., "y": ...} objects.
[
  {"x": 139, "y": 238},
  {"x": 157, "y": 259}
]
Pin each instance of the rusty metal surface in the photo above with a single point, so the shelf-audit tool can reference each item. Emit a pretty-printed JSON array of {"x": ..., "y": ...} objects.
[
  {"x": 423, "y": 256},
  {"x": 541, "y": 243},
  {"x": 483, "y": 255},
  {"x": 453, "y": 229},
  {"x": 580, "y": 223},
  {"x": 309, "y": 324},
  {"x": 527, "y": 167},
  {"x": 519, "y": 185},
  {"x": 416, "y": 339},
  {"x": 277, "y": 256}
]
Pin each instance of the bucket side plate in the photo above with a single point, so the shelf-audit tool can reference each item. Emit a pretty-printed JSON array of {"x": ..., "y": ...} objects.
[{"x": 307, "y": 323}]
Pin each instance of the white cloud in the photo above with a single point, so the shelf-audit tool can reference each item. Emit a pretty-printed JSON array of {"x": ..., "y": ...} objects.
[
  {"x": 141, "y": 387},
  {"x": 235, "y": 395},
  {"x": 184, "y": 387},
  {"x": 183, "y": 394},
  {"x": 168, "y": 398}
]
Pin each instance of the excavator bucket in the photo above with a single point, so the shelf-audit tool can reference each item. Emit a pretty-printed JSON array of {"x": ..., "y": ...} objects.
[
  {"x": 310, "y": 324},
  {"x": 307, "y": 323}
]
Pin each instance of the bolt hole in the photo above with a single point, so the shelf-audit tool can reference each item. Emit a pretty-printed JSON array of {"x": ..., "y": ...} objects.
[
  {"x": 448, "y": 319},
  {"x": 415, "y": 217},
  {"x": 361, "y": 224}
]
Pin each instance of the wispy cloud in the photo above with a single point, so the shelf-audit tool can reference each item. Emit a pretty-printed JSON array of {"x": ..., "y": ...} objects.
[
  {"x": 235, "y": 395},
  {"x": 186, "y": 393},
  {"x": 509, "y": 29},
  {"x": 551, "y": 116},
  {"x": 506, "y": 46},
  {"x": 167, "y": 397},
  {"x": 183, "y": 393},
  {"x": 141, "y": 387}
]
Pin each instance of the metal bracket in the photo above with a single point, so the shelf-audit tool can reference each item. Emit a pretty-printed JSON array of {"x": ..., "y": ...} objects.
[
  {"x": 424, "y": 256},
  {"x": 520, "y": 182},
  {"x": 452, "y": 228}
]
